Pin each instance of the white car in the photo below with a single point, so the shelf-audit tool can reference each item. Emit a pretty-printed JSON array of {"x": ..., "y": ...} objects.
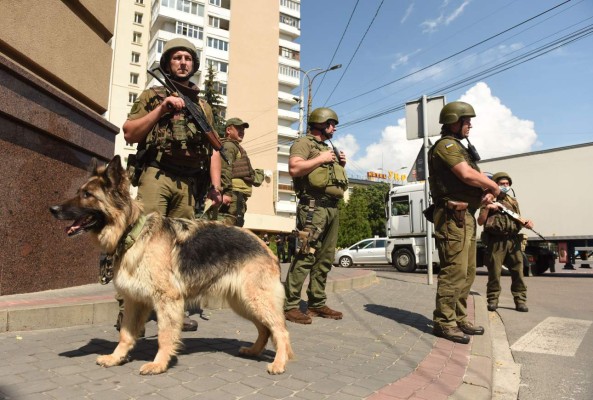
[{"x": 367, "y": 251}]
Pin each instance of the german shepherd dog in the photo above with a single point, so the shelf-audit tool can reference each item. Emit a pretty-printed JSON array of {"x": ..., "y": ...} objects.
[{"x": 160, "y": 263}]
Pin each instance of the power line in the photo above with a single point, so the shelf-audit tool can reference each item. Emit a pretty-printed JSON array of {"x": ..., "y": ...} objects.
[
  {"x": 338, "y": 46},
  {"x": 355, "y": 51},
  {"x": 448, "y": 57},
  {"x": 498, "y": 68}
]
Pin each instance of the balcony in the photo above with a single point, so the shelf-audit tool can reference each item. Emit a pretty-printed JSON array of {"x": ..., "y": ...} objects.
[
  {"x": 291, "y": 116},
  {"x": 286, "y": 207}
]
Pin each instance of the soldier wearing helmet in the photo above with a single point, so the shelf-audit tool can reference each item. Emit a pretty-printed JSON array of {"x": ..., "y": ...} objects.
[
  {"x": 503, "y": 241},
  {"x": 175, "y": 163},
  {"x": 320, "y": 182},
  {"x": 458, "y": 188}
]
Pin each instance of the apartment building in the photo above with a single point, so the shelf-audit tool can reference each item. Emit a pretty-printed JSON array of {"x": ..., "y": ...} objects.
[{"x": 252, "y": 46}]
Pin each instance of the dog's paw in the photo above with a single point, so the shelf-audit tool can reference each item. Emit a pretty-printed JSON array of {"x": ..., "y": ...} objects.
[
  {"x": 275, "y": 369},
  {"x": 248, "y": 352},
  {"x": 109, "y": 361},
  {"x": 152, "y": 368}
]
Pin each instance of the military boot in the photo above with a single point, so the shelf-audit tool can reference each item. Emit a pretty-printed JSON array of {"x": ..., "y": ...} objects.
[
  {"x": 521, "y": 307},
  {"x": 470, "y": 329},
  {"x": 492, "y": 305},
  {"x": 452, "y": 333}
]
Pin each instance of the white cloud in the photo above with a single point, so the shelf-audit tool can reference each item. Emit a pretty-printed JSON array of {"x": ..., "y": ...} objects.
[
  {"x": 432, "y": 25},
  {"x": 495, "y": 132},
  {"x": 407, "y": 13}
]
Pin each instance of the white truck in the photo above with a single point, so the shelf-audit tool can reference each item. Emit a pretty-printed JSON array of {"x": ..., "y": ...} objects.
[
  {"x": 405, "y": 248},
  {"x": 406, "y": 228}
]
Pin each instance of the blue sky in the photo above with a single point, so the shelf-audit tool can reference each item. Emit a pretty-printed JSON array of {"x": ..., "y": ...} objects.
[{"x": 540, "y": 104}]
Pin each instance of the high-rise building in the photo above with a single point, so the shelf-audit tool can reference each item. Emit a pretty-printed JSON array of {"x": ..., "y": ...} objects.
[{"x": 251, "y": 46}]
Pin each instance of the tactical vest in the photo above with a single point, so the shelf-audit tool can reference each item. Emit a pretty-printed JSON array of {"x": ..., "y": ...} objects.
[
  {"x": 445, "y": 185},
  {"x": 500, "y": 224},
  {"x": 242, "y": 166},
  {"x": 175, "y": 140},
  {"x": 328, "y": 179}
]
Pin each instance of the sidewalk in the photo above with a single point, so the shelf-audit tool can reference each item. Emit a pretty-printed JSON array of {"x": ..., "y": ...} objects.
[{"x": 382, "y": 349}]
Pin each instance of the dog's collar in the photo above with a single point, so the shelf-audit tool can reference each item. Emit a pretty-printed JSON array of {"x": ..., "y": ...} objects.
[{"x": 130, "y": 235}]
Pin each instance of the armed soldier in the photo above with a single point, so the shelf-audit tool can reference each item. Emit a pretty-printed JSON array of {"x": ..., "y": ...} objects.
[
  {"x": 176, "y": 165},
  {"x": 458, "y": 188},
  {"x": 238, "y": 177},
  {"x": 501, "y": 236},
  {"x": 320, "y": 182}
]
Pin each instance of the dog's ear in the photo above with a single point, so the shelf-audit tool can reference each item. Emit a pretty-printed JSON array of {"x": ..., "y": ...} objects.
[
  {"x": 92, "y": 168},
  {"x": 114, "y": 172}
]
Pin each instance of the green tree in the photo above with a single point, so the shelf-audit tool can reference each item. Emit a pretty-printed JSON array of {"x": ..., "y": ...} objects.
[
  {"x": 375, "y": 198},
  {"x": 212, "y": 97},
  {"x": 354, "y": 224}
]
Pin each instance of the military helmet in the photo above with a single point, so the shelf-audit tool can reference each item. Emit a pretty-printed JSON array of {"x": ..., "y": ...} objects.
[
  {"x": 502, "y": 175},
  {"x": 322, "y": 115},
  {"x": 177, "y": 44},
  {"x": 455, "y": 110}
]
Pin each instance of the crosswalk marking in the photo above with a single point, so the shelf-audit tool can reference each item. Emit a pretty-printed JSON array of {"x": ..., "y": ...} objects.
[{"x": 557, "y": 336}]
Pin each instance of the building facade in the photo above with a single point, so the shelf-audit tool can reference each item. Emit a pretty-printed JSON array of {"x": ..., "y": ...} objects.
[{"x": 252, "y": 47}]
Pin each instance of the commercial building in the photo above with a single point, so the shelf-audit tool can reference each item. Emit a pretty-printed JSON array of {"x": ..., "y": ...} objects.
[{"x": 251, "y": 45}]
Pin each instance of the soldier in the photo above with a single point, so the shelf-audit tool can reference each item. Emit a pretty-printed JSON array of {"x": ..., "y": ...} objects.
[
  {"x": 237, "y": 176},
  {"x": 458, "y": 188},
  {"x": 320, "y": 181},
  {"x": 501, "y": 236},
  {"x": 176, "y": 164}
]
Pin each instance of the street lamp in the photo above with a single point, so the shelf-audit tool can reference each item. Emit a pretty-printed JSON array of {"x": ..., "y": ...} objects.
[{"x": 309, "y": 94}]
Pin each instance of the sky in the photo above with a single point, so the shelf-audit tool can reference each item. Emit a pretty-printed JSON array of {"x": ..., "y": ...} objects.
[{"x": 395, "y": 51}]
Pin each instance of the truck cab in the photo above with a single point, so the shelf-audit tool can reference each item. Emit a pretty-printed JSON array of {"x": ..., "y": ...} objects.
[{"x": 406, "y": 228}]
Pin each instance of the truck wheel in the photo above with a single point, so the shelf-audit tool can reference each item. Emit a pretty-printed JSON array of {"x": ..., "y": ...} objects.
[
  {"x": 404, "y": 260},
  {"x": 345, "y": 262}
]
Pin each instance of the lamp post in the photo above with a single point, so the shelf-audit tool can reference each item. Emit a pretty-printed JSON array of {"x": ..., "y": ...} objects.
[{"x": 309, "y": 94}]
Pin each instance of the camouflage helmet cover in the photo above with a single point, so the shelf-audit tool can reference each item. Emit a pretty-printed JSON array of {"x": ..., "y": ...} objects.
[
  {"x": 322, "y": 115},
  {"x": 451, "y": 112},
  {"x": 502, "y": 175},
  {"x": 179, "y": 44}
]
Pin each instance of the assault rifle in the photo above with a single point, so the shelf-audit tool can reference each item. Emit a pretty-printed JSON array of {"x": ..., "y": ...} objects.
[
  {"x": 192, "y": 111},
  {"x": 516, "y": 217}
]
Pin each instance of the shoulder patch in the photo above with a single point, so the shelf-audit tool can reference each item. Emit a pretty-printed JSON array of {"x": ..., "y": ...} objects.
[{"x": 448, "y": 145}]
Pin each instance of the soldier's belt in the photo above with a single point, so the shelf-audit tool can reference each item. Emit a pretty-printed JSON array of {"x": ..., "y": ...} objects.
[
  {"x": 457, "y": 210},
  {"x": 321, "y": 202}
]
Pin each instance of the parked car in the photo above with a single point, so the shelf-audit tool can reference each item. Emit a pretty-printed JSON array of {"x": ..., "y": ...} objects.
[{"x": 367, "y": 251}]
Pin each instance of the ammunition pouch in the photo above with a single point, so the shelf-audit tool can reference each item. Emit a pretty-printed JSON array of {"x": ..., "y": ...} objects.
[
  {"x": 457, "y": 210},
  {"x": 136, "y": 164}
]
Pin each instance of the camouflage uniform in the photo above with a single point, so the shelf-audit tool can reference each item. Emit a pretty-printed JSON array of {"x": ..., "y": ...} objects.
[
  {"x": 456, "y": 245},
  {"x": 323, "y": 225},
  {"x": 501, "y": 235},
  {"x": 237, "y": 182},
  {"x": 176, "y": 169}
]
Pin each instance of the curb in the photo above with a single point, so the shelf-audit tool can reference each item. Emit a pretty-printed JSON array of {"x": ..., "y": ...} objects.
[{"x": 95, "y": 304}]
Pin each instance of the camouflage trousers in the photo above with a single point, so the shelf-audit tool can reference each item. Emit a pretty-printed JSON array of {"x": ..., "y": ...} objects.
[
  {"x": 505, "y": 250},
  {"x": 317, "y": 265},
  {"x": 457, "y": 254}
]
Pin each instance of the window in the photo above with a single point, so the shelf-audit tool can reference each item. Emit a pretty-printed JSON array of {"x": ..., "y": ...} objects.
[
  {"x": 132, "y": 97},
  {"x": 218, "y": 65},
  {"x": 196, "y": 32},
  {"x": 288, "y": 53},
  {"x": 213, "y": 22},
  {"x": 288, "y": 71},
  {"x": 293, "y": 5},
  {"x": 216, "y": 3},
  {"x": 186, "y": 6},
  {"x": 138, "y": 18},
  {"x": 137, "y": 38},
  {"x": 292, "y": 21},
  {"x": 139, "y": 1},
  {"x": 135, "y": 58},
  {"x": 218, "y": 44},
  {"x": 134, "y": 78},
  {"x": 400, "y": 205},
  {"x": 220, "y": 88}
]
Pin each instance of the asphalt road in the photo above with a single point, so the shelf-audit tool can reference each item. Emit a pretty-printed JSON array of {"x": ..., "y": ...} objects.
[{"x": 553, "y": 342}]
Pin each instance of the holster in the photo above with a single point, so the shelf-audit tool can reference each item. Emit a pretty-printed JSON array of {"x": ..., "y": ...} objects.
[
  {"x": 457, "y": 210},
  {"x": 306, "y": 236}
]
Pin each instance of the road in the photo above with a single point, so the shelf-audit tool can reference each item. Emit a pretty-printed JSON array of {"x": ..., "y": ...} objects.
[{"x": 553, "y": 342}]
